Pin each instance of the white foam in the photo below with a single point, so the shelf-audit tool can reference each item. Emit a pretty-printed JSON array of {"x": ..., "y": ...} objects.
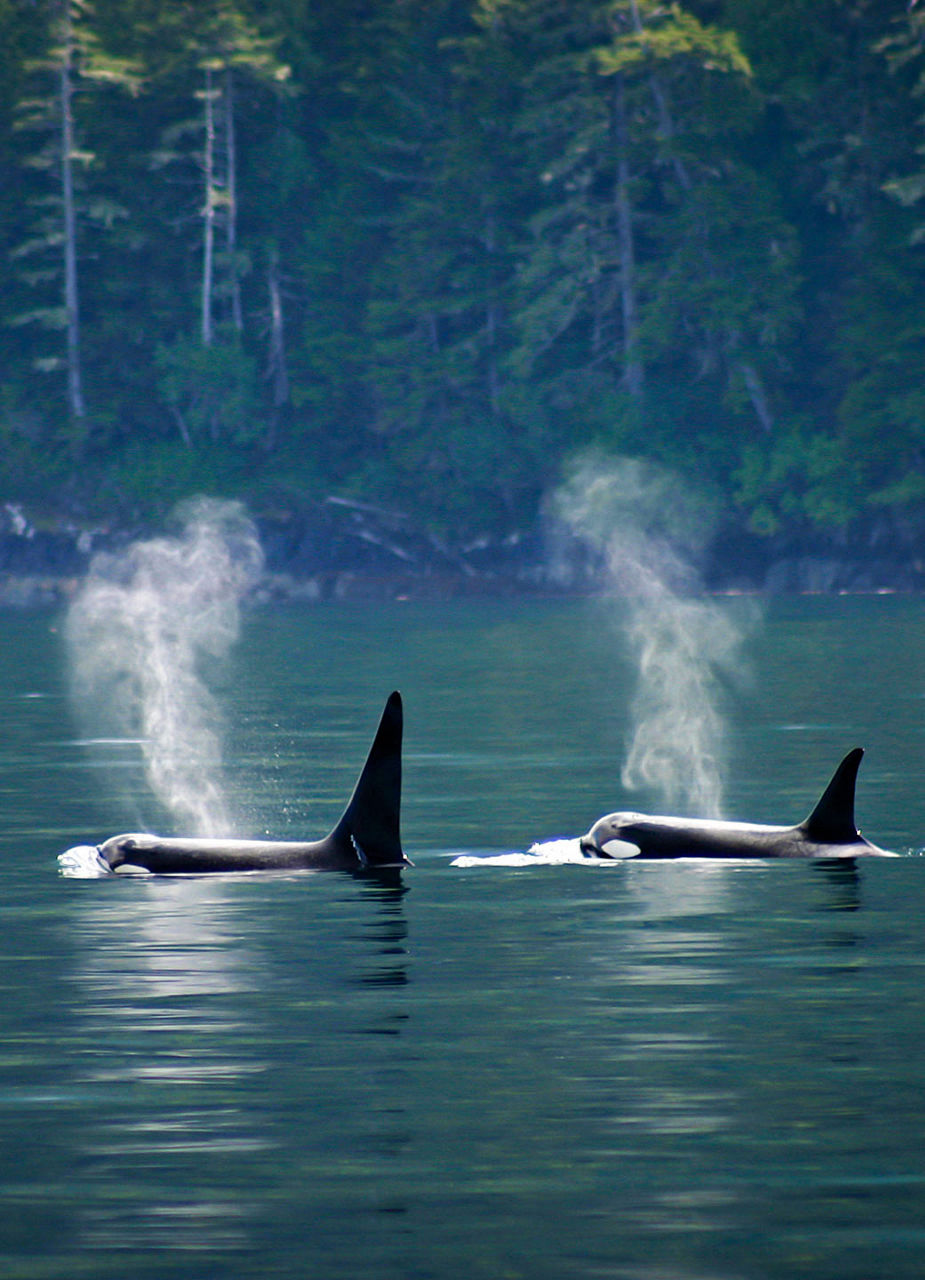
[
  {"x": 83, "y": 862},
  {"x": 546, "y": 853}
]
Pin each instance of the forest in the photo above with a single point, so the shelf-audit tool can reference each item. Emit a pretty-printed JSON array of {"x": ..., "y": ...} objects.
[{"x": 417, "y": 254}]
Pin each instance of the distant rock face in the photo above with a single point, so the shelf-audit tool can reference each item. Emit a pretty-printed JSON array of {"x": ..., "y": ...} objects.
[
  {"x": 820, "y": 575},
  {"x": 350, "y": 550}
]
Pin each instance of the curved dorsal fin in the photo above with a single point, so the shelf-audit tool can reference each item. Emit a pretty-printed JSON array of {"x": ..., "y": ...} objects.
[
  {"x": 832, "y": 820},
  {"x": 371, "y": 821}
]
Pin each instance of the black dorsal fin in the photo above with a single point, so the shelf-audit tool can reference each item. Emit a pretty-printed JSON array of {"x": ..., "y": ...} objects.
[
  {"x": 372, "y": 819},
  {"x": 832, "y": 820}
]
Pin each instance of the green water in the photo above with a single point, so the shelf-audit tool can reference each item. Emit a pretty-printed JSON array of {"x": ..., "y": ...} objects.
[{"x": 674, "y": 1072}]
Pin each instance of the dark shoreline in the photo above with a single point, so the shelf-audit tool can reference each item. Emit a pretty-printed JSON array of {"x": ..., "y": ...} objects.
[
  {"x": 310, "y": 560},
  {"x": 47, "y": 590}
]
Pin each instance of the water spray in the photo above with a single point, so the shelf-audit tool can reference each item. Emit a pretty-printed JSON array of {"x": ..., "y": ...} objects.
[
  {"x": 144, "y": 625},
  {"x": 637, "y": 519}
]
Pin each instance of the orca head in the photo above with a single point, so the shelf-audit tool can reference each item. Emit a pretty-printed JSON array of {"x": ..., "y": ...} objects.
[
  {"x": 117, "y": 850},
  {"x": 113, "y": 850},
  {"x": 609, "y": 837}
]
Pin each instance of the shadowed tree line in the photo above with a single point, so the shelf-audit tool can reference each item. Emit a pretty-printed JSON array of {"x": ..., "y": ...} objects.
[{"x": 415, "y": 255}]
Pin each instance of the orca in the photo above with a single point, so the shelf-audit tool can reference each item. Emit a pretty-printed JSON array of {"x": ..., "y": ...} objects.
[
  {"x": 828, "y": 832},
  {"x": 367, "y": 837}
]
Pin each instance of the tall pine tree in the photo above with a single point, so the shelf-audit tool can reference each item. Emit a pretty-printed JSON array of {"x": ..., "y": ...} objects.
[{"x": 74, "y": 59}]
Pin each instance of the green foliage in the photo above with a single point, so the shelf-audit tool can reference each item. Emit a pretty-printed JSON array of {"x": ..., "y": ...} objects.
[
  {"x": 30, "y": 462},
  {"x": 799, "y": 478},
  {"x": 666, "y": 32},
  {"x": 146, "y": 480},
  {"x": 435, "y": 248},
  {"x": 723, "y": 292},
  {"x": 210, "y": 391}
]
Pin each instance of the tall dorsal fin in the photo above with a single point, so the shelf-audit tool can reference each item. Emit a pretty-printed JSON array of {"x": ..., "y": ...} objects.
[
  {"x": 372, "y": 819},
  {"x": 832, "y": 820}
]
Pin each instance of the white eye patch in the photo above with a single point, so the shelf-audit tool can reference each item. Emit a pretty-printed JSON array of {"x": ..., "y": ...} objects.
[{"x": 620, "y": 849}]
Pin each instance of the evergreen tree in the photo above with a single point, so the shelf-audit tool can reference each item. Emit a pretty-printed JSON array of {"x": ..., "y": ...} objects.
[
  {"x": 633, "y": 118},
  {"x": 480, "y": 234},
  {"x": 74, "y": 59},
  {"x": 438, "y": 311},
  {"x": 218, "y": 48},
  {"x": 838, "y": 128}
]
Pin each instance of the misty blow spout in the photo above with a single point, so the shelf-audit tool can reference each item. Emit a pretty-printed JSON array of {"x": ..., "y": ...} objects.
[
  {"x": 648, "y": 530},
  {"x": 141, "y": 632}
]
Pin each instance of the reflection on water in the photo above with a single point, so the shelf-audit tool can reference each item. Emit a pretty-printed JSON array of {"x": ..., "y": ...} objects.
[
  {"x": 841, "y": 877},
  {"x": 387, "y": 930},
  {"x": 182, "y": 1040},
  {"x": 166, "y": 993},
  {"x": 536, "y": 1070}
]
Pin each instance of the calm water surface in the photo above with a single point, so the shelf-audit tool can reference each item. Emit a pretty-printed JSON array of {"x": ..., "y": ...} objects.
[{"x": 677, "y": 1072}]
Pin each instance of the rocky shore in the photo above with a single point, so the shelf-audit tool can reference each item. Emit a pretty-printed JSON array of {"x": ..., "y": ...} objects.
[{"x": 350, "y": 551}]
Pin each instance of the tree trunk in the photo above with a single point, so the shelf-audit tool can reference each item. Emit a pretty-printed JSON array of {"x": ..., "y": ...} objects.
[
  {"x": 751, "y": 378},
  {"x": 492, "y": 324},
  {"x": 208, "y": 213},
  {"x": 756, "y": 394},
  {"x": 71, "y": 309},
  {"x": 665, "y": 122},
  {"x": 633, "y": 373},
  {"x": 231, "y": 206},
  {"x": 277, "y": 354},
  {"x": 181, "y": 425},
  {"x": 277, "y": 371}
]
